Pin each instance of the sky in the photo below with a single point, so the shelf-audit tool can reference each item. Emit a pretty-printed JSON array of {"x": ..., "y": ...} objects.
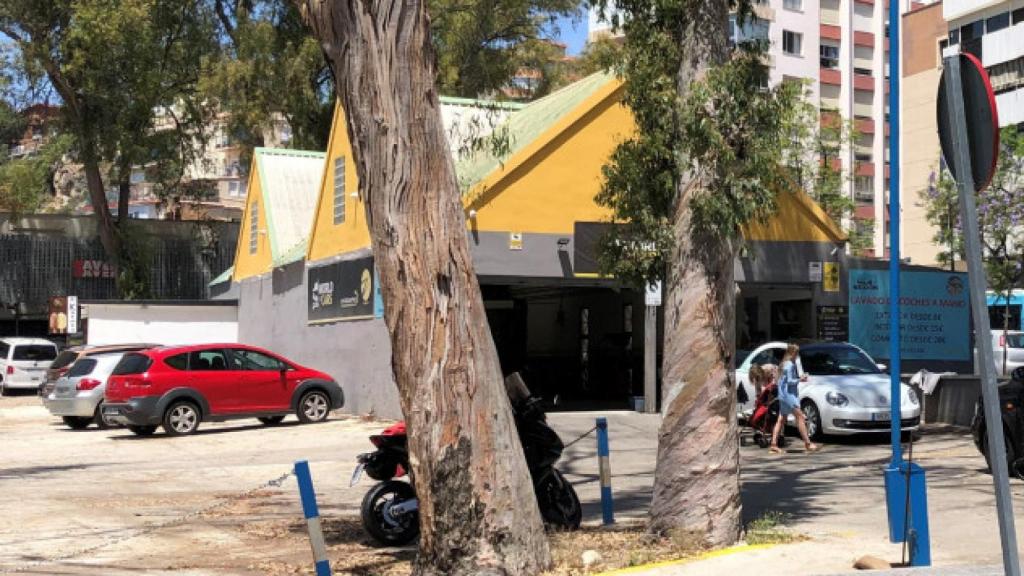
[{"x": 573, "y": 34}]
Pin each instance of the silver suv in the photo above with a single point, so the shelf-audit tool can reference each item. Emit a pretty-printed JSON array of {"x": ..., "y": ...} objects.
[{"x": 77, "y": 396}]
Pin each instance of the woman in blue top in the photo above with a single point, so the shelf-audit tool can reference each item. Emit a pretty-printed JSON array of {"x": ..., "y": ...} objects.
[{"x": 789, "y": 400}]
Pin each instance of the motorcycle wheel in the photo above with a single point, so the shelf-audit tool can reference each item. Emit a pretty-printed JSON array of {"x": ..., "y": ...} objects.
[
  {"x": 559, "y": 504},
  {"x": 375, "y": 506}
]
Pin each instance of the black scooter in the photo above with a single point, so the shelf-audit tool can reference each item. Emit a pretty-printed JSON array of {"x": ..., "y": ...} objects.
[{"x": 390, "y": 510}]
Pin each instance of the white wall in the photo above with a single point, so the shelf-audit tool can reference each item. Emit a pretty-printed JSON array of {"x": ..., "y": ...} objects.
[
  {"x": 124, "y": 323},
  {"x": 953, "y": 9},
  {"x": 806, "y": 22},
  {"x": 1011, "y": 107}
]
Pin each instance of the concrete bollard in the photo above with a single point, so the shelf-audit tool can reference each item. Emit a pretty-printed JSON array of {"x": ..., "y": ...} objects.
[
  {"x": 605, "y": 468},
  {"x": 309, "y": 509}
]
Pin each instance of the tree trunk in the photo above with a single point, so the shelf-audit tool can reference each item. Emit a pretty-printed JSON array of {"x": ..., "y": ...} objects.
[
  {"x": 124, "y": 196},
  {"x": 98, "y": 198},
  {"x": 696, "y": 482},
  {"x": 478, "y": 513}
]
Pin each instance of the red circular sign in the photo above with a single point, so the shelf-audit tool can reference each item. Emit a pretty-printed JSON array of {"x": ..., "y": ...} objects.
[{"x": 981, "y": 117}]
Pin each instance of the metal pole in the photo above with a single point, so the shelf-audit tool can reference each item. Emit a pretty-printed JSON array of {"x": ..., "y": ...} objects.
[
  {"x": 321, "y": 564},
  {"x": 605, "y": 470},
  {"x": 894, "y": 231},
  {"x": 982, "y": 328},
  {"x": 650, "y": 359}
]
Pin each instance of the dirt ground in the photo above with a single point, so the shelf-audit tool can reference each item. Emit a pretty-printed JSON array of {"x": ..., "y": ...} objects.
[{"x": 221, "y": 502}]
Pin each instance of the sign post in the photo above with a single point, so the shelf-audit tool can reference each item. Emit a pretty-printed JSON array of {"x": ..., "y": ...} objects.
[
  {"x": 652, "y": 299},
  {"x": 970, "y": 150}
]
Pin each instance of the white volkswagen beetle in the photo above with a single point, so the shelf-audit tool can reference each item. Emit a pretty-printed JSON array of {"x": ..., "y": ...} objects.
[{"x": 845, "y": 392}]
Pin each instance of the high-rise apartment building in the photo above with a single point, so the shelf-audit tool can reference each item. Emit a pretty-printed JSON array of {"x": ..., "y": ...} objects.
[{"x": 840, "y": 48}]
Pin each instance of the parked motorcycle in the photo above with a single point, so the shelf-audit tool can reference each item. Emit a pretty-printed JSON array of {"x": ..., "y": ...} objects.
[{"x": 390, "y": 510}]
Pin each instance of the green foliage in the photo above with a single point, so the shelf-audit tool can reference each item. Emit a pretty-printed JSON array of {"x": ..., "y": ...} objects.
[
  {"x": 269, "y": 67},
  {"x": 481, "y": 44},
  {"x": 770, "y": 528},
  {"x": 26, "y": 182},
  {"x": 136, "y": 263},
  {"x": 726, "y": 132},
  {"x": 1000, "y": 215}
]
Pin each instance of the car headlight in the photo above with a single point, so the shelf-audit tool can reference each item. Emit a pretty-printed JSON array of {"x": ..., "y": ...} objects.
[
  {"x": 836, "y": 398},
  {"x": 912, "y": 396}
]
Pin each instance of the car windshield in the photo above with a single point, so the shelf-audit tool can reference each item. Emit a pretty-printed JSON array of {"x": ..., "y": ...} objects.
[
  {"x": 34, "y": 352},
  {"x": 836, "y": 361},
  {"x": 64, "y": 359}
]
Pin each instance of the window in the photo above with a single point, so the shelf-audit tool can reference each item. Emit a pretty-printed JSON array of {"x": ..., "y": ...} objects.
[
  {"x": 796, "y": 5},
  {"x": 1018, "y": 16},
  {"x": 34, "y": 352},
  {"x": 254, "y": 224},
  {"x": 64, "y": 359},
  {"x": 769, "y": 356},
  {"x": 954, "y": 37},
  {"x": 1007, "y": 76},
  {"x": 862, "y": 71},
  {"x": 339, "y": 189},
  {"x": 829, "y": 56},
  {"x": 206, "y": 360},
  {"x": 4, "y": 349},
  {"x": 178, "y": 361},
  {"x": 234, "y": 188},
  {"x": 972, "y": 31},
  {"x": 132, "y": 364},
  {"x": 997, "y": 23},
  {"x": 252, "y": 360},
  {"x": 82, "y": 367},
  {"x": 837, "y": 361},
  {"x": 792, "y": 42}
]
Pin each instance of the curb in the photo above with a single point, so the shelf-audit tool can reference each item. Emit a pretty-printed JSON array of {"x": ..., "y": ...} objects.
[{"x": 704, "y": 556}]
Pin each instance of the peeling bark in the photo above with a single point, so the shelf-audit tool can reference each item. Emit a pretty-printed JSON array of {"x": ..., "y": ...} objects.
[
  {"x": 478, "y": 513},
  {"x": 696, "y": 485}
]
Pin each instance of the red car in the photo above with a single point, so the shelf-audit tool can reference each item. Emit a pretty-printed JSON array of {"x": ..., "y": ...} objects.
[{"x": 181, "y": 386}]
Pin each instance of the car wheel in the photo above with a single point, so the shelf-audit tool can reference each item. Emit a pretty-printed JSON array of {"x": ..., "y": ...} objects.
[
  {"x": 813, "y": 418},
  {"x": 3, "y": 389},
  {"x": 314, "y": 406},
  {"x": 181, "y": 419},
  {"x": 77, "y": 422},
  {"x": 142, "y": 430},
  {"x": 271, "y": 420},
  {"x": 98, "y": 419}
]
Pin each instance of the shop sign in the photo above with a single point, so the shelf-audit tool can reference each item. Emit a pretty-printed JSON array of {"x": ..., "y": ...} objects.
[
  {"x": 830, "y": 277},
  {"x": 833, "y": 323},
  {"x": 588, "y": 238},
  {"x": 515, "y": 240},
  {"x": 92, "y": 269},
  {"x": 814, "y": 271},
  {"x": 934, "y": 310},
  {"x": 345, "y": 290},
  {"x": 63, "y": 315}
]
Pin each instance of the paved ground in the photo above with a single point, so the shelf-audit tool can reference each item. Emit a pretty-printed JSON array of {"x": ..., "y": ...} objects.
[{"x": 107, "y": 502}]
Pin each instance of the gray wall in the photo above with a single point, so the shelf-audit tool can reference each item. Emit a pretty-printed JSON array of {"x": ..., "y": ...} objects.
[{"x": 272, "y": 314}]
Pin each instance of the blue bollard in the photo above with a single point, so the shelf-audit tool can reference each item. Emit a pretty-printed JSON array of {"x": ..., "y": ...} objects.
[
  {"x": 605, "y": 468},
  {"x": 916, "y": 534},
  {"x": 312, "y": 513}
]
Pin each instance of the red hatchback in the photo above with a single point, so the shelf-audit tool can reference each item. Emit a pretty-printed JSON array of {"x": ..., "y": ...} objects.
[{"x": 181, "y": 386}]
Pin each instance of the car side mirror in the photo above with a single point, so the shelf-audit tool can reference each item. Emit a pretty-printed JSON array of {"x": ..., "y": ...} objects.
[{"x": 882, "y": 367}]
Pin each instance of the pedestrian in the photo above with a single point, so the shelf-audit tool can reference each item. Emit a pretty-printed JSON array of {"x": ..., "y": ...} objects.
[{"x": 789, "y": 400}]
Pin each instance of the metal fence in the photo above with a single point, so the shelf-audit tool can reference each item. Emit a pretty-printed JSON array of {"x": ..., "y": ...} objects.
[{"x": 34, "y": 268}]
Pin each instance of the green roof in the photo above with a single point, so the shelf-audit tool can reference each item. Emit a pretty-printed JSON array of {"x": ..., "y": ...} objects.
[
  {"x": 224, "y": 277},
  {"x": 290, "y": 185},
  {"x": 527, "y": 124}
]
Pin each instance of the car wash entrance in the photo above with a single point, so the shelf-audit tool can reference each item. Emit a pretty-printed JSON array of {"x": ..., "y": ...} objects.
[{"x": 577, "y": 342}]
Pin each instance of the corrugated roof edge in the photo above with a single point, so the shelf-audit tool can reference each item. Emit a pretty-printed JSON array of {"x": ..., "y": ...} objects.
[
  {"x": 288, "y": 152},
  {"x": 258, "y": 155},
  {"x": 224, "y": 276},
  {"x": 477, "y": 103}
]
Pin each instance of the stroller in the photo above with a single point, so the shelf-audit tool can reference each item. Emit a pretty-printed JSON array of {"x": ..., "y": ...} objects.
[{"x": 766, "y": 414}]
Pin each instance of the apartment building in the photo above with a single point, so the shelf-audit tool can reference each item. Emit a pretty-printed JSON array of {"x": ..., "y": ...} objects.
[
  {"x": 992, "y": 30},
  {"x": 840, "y": 49}
]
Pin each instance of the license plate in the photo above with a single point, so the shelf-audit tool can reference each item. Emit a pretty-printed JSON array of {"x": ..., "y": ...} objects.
[
  {"x": 881, "y": 417},
  {"x": 356, "y": 475},
  {"x": 111, "y": 411}
]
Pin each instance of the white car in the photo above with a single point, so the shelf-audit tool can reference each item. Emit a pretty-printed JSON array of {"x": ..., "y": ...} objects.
[
  {"x": 1012, "y": 343},
  {"x": 23, "y": 362},
  {"x": 846, "y": 392}
]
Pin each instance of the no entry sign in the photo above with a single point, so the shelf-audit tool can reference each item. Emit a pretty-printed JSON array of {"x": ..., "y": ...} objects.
[{"x": 981, "y": 117}]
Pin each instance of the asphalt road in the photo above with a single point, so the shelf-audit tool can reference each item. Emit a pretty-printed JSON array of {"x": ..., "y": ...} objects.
[{"x": 108, "y": 502}]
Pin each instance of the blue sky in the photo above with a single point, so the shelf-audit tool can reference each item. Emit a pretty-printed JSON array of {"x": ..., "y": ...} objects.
[{"x": 573, "y": 34}]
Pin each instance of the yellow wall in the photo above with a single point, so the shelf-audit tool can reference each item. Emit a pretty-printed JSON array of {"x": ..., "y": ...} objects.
[
  {"x": 246, "y": 264},
  {"x": 797, "y": 219},
  {"x": 330, "y": 239},
  {"x": 550, "y": 189}
]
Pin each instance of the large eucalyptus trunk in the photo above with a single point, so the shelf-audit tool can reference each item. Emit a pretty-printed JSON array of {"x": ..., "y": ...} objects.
[
  {"x": 696, "y": 482},
  {"x": 478, "y": 514}
]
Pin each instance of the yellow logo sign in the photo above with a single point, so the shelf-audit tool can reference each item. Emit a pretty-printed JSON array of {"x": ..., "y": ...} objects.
[
  {"x": 830, "y": 277},
  {"x": 366, "y": 285}
]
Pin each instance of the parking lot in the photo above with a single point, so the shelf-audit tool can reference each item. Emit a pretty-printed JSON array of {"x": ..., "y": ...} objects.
[{"x": 108, "y": 502}]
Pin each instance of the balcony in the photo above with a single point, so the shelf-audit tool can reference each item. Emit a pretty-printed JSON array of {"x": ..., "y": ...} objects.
[
  {"x": 863, "y": 38},
  {"x": 831, "y": 32},
  {"x": 864, "y": 82}
]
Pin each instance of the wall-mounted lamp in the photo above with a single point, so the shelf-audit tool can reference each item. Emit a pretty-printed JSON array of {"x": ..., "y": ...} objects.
[
  {"x": 563, "y": 244},
  {"x": 834, "y": 250},
  {"x": 472, "y": 214}
]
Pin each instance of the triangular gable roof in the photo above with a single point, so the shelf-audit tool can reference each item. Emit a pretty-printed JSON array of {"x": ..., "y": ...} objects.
[
  {"x": 534, "y": 125},
  {"x": 290, "y": 185}
]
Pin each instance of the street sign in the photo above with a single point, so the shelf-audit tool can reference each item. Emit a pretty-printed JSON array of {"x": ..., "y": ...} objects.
[
  {"x": 814, "y": 271},
  {"x": 982, "y": 121},
  {"x": 652, "y": 297},
  {"x": 72, "y": 314}
]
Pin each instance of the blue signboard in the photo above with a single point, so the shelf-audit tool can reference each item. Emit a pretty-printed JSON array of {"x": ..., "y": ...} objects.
[{"x": 934, "y": 310}]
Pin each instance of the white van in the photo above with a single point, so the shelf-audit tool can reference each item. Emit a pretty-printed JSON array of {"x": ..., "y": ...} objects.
[{"x": 23, "y": 362}]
